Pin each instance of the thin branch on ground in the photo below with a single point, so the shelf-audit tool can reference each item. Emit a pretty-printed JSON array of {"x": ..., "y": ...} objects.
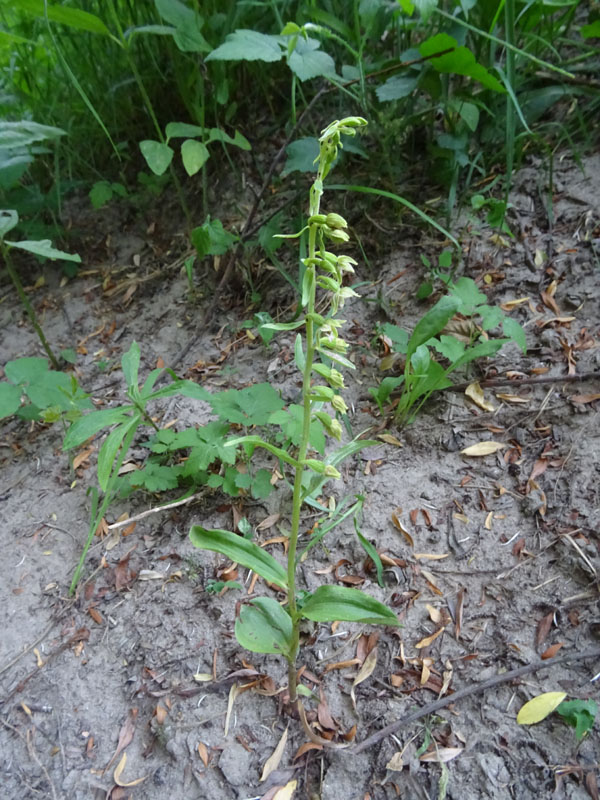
[{"x": 476, "y": 688}]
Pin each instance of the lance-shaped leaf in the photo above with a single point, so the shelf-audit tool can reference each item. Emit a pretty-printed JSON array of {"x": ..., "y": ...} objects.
[
  {"x": 264, "y": 627},
  {"x": 241, "y": 551},
  {"x": 256, "y": 441},
  {"x": 331, "y": 603}
]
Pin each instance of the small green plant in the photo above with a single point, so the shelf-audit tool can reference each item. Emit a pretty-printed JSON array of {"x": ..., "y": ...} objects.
[
  {"x": 33, "y": 391},
  {"x": 579, "y": 714},
  {"x": 265, "y": 626},
  {"x": 423, "y": 373},
  {"x": 9, "y": 220}
]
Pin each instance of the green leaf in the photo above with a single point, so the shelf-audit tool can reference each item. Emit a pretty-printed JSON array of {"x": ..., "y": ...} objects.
[
  {"x": 301, "y": 155},
  {"x": 284, "y": 326},
  {"x": 8, "y": 220},
  {"x": 397, "y": 87},
  {"x": 72, "y": 17},
  {"x": 187, "y": 22},
  {"x": 450, "y": 347},
  {"x": 466, "y": 292},
  {"x": 25, "y": 370},
  {"x": 398, "y": 337},
  {"x": 69, "y": 355},
  {"x": 110, "y": 448},
  {"x": 514, "y": 331},
  {"x": 307, "y": 61},
  {"x": 261, "y": 484},
  {"x": 158, "y": 155},
  {"x": 154, "y": 477},
  {"x": 256, "y": 441},
  {"x": 248, "y": 45},
  {"x": 130, "y": 363},
  {"x": 460, "y": 61},
  {"x": 251, "y": 406},
  {"x": 241, "y": 551},
  {"x": 264, "y": 627},
  {"x": 371, "y": 551},
  {"x": 218, "y": 135},
  {"x": 26, "y": 132},
  {"x": 194, "y": 155},
  {"x": 183, "y": 130},
  {"x": 332, "y": 603},
  {"x": 44, "y": 248},
  {"x": 591, "y": 31},
  {"x": 580, "y": 714},
  {"x": 100, "y": 194},
  {"x": 10, "y": 399},
  {"x": 81, "y": 430},
  {"x": 432, "y": 322},
  {"x": 211, "y": 238}
]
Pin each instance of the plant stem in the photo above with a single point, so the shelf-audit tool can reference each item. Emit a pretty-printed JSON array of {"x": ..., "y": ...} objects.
[
  {"x": 299, "y": 473},
  {"x": 14, "y": 276}
]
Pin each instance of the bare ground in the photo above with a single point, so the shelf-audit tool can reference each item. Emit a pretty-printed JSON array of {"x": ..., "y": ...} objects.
[{"x": 517, "y": 532}]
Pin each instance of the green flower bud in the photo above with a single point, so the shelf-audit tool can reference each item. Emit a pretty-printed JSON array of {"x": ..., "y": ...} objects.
[
  {"x": 336, "y": 235},
  {"x": 317, "y": 219},
  {"x": 338, "y": 404},
  {"x": 346, "y": 263},
  {"x": 336, "y": 379},
  {"x": 335, "y": 221},
  {"x": 333, "y": 343},
  {"x": 322, "y": 394},
  {"x": 328, "y": 283},
  {"x": 331, "y": 472}
]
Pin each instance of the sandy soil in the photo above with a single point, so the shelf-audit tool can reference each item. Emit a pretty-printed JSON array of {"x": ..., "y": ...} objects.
[{"x": 85, "y": 680}]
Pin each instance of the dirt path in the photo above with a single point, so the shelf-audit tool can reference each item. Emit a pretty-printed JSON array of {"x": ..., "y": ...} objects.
[{"x": 499, "y": 554}]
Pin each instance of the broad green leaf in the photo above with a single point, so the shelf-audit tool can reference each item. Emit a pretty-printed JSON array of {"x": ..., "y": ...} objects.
[
  {"x": 264, "y": 627},
  {"x": 158, "y": 155},
  {"x": 514, "y": 331},
  {"x": 460, "y": 61},
  {"x": 219, "y": 135},
  {"x": 397, "y": 87},
  {"x": 10, "y": 399},
  {"x": 301, "y": 155},
  {"x": 81, "y": 430},
  {"x": 591, "y": 31},
  {"x": 188, "y": 24},
  {"x": 468, "y": 112},
  {"x": 432, "y": 322},
  {"x": 482, "y": 349},
  {"x": 130, "y": 363},
  {"x": 449, "y": 346},
  {"x": 241, "y": 551},
  {"x": 424, "y": 7},
  {"x": 398, "y": 337},
  {"x": 194, "y": 155},
  {"x": 50, "y": 389},
  {"x": 540, "y": 707},
  {"x": 284, "y": 326},
  {"x": 183, "y": 130},
  {"x": 110, "y": 448},
  {"x": 332, "y": 603},
  {"x": 248, "y": 45},
  {"x": 8, "y": 220},
  {"x": 25, "y": 370},
  {"x": 491, "y": 317},
  {"x": 100, "y": 194},
  {"x": 72, "y": 17},
  {"x": 44, "y": 248},
  {"x": 26, "y": 132},
  {"x": 466, "y": 292},
  {"x": 307, "y": 61},
  {"x": 185, "y": 388},
  {"x": 211, "y": 238},
  {"x": 251, "y": 406},
  {"x": 580, "y": 714}
]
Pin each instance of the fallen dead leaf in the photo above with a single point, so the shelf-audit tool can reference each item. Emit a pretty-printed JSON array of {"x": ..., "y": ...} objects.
[
  {"x": 305, "y": 748},
  {"x": 583, "y": 399},
  {"x": 429, "y": 639},
  {"x": 402, "y": 529},
  {"x": 552, "y": 651},
  {"x": 389, "y": 439},
  {"x": 286, "y": 792},
  {"x": 483, "y": 448},
  {"x": 125, "y": 736},
  {"x": 203, "y": 753},
  {"x": 272, "y": 763},
  {"x": 442, "y": 754},
  {"x": 431, "y": 556},
  {"x": 119, "y": 771},
  {"x": 365, "y": 671},
  {"x": 475, "y": 393},
  {"x": 396, "y": 762},
  {"x": 268, "y": 522}
]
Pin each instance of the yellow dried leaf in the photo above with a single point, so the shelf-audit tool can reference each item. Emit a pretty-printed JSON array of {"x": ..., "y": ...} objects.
[
  {"x": 268, "y": 522},
  {"x": 286, "y": 792},
  {"x": 387, "y": 362},
  {"x": 434, "y": 613},
  {"x": 429, "y": 639},
  {"x": 431, "y": 556},
  {"x": 488, "y": 521},
  {"x": 367, "y": 668},
  {"x": 119, "y": 771},
  {"x": 483, "y": 448},
  {"x": 512, "y": 398},
  {"x": 540, "y": 707},
  {"x": 442, "y": 754},
  {"x": 275, "y": 758},
  {"x": 513, "y": 303},
  {"x": 461, "y": 518},
  {"x": 202, "y": 677},
  {"x": 389, "y": 439},
  {"x": 431, "y": 582},
  {"x": 203, "y": 753},
  {"x": 396, "y": 763},
  {"x": 475, "y": 393}
]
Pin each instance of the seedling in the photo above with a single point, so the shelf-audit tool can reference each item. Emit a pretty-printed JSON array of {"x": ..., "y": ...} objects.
[
  {"x": 265, "y": 626},
  {"x": 423, "y": 374}
]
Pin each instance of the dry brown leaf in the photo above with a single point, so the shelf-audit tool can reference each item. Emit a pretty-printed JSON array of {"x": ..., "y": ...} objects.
[
  {"x": 543, "y": 628},
  {"x": 286, "y": 792},
  {"x": 441, "y": 754},
  {"x": 272, "y": 763},
  {"x": 125, "y": 736},
  {"x": 365, "y": 671},
  {"x": 83, "y": 456},
  {"x": 483, "y": 448},
  {"x": 389, "y": 439},
  {"x": 429, "y": 639},
  {"x": 488, "y": 521},
  {"x": 431, "y": 582},
  {"x": 512, "y": 398},
  {"x": 513, "y": 303},
  {"x": 402, "y": 529},
  {"x": 161, "y": 714},
  {"x": 396, "y": 763},
  {"x": 551, "y": 651},
  {"x": 95, "y": 615},
  {"x": 352, "y": 662},
  {"x": 396, "y": 680},
  {"x": 203, "y": 753},
  {"x": 119, "y": 771},
  {"x": 315, "y": 738},
  {"x": 434, "y": 613},
  {"x": 475, "y": 393},
  {"x": 268, "y": 522},
  {"x": 305, "y": 748},
  {"x": 582, "y": 399},
  {"x": 234, "y": 692}
]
